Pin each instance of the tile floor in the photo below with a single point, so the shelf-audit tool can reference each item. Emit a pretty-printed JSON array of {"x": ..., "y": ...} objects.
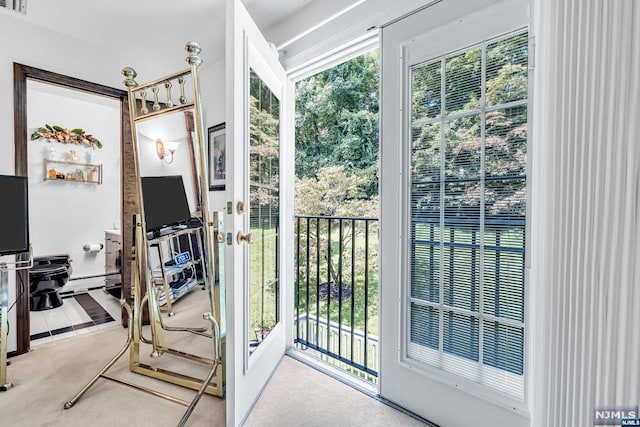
[{"x": 81, "y": 312}]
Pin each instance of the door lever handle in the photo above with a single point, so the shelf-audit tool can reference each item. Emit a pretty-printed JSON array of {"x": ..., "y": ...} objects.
[{"x": 247, "y": 238}]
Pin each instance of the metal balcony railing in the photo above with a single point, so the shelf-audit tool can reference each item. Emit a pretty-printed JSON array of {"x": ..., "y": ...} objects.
[{"x": 336, "y": 291}]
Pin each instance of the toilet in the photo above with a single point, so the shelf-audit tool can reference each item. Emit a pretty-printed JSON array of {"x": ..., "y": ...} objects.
[{"x": 46, "y": 277}]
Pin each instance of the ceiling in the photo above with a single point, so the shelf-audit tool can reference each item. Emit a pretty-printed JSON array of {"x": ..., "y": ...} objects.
[
  {"x": 150, "y": 35},
  {"x": 156, "y": 27}
]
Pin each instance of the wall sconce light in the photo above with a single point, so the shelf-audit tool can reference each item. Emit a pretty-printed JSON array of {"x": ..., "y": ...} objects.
[{"x": 165, "y": 150}]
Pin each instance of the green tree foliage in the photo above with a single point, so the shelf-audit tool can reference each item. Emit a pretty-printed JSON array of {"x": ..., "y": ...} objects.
[
  {"x": 332, "y": 193},
  {"x": 337, "y": 122}
]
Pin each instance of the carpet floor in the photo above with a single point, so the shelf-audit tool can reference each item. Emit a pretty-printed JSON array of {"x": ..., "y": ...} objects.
[{"x": 52, "y": 373}]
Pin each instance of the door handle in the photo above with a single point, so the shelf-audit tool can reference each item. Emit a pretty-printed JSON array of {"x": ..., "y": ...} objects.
[{"x": 247, "y": 238}]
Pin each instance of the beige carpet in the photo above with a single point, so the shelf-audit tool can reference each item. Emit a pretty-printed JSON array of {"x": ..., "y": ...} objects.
[
  {"x": 298, "y": 395},
  {"x": 52, "y": 373}
]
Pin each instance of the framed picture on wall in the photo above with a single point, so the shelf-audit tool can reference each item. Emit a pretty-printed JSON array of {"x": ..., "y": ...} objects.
[{"x": 217, "y": 157}]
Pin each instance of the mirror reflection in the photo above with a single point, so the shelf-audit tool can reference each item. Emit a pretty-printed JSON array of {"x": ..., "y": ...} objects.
[{"x": 165, "y": 148}]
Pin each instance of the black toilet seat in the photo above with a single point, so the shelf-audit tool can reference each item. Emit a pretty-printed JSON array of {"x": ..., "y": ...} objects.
[{"x": 46, "y": 277}]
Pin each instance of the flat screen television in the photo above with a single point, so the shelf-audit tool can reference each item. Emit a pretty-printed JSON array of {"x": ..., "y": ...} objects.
[
  {"x": 14, "y": 227},
  {"x": 165, "y": 202}
]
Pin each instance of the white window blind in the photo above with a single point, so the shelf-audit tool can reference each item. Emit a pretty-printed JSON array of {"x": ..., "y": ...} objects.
[{"x": 465, "y": 300}]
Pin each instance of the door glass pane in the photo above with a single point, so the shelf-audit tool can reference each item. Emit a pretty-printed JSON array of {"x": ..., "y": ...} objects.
[
  {"x": 463, "y": 80},
  {"x": 264, "y": 196},
  {"x": 467, "y": 220},
  {"x": 426, "y": 99}
]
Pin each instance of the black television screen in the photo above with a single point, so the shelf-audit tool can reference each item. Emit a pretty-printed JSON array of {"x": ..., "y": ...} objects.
[
  {"x": 14, "y": 227},
  {"x": 165, "y": 201}
]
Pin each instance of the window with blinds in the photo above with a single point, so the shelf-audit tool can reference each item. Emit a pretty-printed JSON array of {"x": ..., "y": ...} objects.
[{"x": 465, "y": 300}]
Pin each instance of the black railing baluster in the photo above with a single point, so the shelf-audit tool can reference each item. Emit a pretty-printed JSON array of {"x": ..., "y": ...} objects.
[
  {"x": 298, "y": 281},
  {"x": 366, "y": 293},
  {"x": 353, "y": 284},
  {"x": 340, "y": 248},
  {"x": 318, "y": 281},
  {"x": 307, "y": 277},
  {"x": 329, "y": 267},
  {"x": 334, "y": 283}
]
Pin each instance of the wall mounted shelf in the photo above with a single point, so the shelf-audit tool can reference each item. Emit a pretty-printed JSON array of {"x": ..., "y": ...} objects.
[{"x": 58, "y": 170}]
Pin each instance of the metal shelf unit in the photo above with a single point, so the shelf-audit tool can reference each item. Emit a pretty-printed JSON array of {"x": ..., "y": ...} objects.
[{"x": 174, "y": 276}]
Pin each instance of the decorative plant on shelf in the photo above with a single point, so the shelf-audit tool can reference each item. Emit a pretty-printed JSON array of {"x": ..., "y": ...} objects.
[{"x": 65, "y": 136}]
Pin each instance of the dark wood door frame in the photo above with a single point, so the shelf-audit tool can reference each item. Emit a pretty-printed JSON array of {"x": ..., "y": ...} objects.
[{"x": 20, "y": 75}]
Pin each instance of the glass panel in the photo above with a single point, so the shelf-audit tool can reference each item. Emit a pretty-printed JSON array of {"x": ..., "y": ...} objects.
[
  {"x": 462, "y": 148},
  {"x": 507, "y": 70},
  {"x": 503, "y": 347},
  {"x": 425, "y": 326},
  {"x": 425, "y": 242},
  {"x": 505, "y": 202},
  {"x": 264, "y": 197},
  {"x": 462, "y": 266},
  {"x": 463, "y": 77},
  {"x": 506, "y": 142},
  {"x": 426, "y": 96},
  {"x": 461, "y": 335},
  {"x": 425, "y": 157},
  {"x": 504, "y": 283},
  {"x": 425, "y": 267},
  {"x": 462, "y": 202},
  {"x": 468, "y": 196}
]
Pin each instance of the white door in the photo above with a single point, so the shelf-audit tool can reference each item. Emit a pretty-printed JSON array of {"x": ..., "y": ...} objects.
[
  {"x": 453, "y": 212},
  {"x": 259, "y": 203}
]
